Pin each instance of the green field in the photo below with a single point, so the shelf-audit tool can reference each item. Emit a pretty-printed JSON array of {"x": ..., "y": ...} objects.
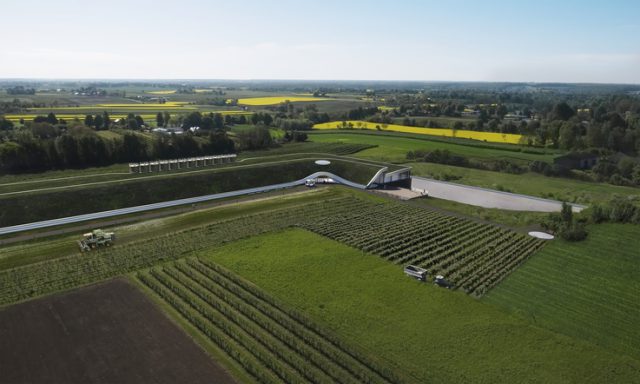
[
  {"x": 534, "y": 184},
  {"x": 77, "y": 269},
  {"x": 424, "y": 333},
  {"x": 392, "y": 148},
  {"x": 430, "y": 333},
  {"x": 62, "y": 201},
  {"x": 472, "y": 256},
  {"x": 264, "y": 337},
  {"x": 49, "y": 248},
  {"x": 588, "y": 290}
]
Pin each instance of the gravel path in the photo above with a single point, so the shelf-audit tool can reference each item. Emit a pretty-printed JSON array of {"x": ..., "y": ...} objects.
[{"x": 487, "y": 198}]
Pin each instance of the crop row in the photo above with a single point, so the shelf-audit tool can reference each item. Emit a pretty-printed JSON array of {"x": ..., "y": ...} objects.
[
  {"x": 471, "y": 255},
  {"x": 79, "y": 269},
  {"x": 270, "y": 341}
]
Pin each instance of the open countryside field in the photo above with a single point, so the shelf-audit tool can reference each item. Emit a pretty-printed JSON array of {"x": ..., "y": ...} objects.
[
  {"x": 120, "y": 110},
  {"x": 474, "y": 257},
  {"x": 439, "y": 242},
  {"x": 169, "y": 105},
  {"x": 271, "y": 342},
  {"x": 394, "y": 149},
  {"x": 77, "y": 269},
  {"x": 492, "y": 137},
  {"x": 587, "y": 290},
  {"x": 165, "y": 92},
  {"x": 108, "y": 332},
  {"x": 117, "y": 113},
  {"x": 375, "y": 318},
  {"x": 308, "y": 286},
  {"x": 274, "y": 100},
  {"x": 432, "y": 334},
  {"x": 31, "y": 251}
]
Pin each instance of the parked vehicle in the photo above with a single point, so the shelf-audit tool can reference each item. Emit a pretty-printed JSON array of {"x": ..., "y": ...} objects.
[
  {"x": 440, "y": 281},
  {"x": 416, "y": 272}
]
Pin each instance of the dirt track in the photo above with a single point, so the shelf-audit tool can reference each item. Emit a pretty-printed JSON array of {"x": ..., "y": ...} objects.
[{"x": 106, "y": 333}]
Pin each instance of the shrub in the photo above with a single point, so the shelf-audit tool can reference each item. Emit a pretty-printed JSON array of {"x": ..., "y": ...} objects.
[
  {"x": 575, "y": 232},
  {"x": 599, "y": 213},
  {"x": 621, "y": 211}
]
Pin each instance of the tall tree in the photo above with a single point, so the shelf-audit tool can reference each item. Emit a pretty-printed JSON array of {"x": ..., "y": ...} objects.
[
  {"x": 106, "y": 120},
  {"x": 160, "y": 120},
  {"x": 52, "y": 119},
  {"x": 98, "y": 122},
  {"x": 562, "y": 111},
  {"x": 218, "y": 121},
  {"x": 88, "y": 120}
]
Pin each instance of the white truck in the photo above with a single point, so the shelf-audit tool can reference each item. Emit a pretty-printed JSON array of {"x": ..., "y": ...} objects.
[{"x": 416, "y": 272}]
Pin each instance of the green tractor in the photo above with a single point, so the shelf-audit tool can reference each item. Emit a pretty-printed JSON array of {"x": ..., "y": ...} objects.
[{"x": 96, "y": 238}]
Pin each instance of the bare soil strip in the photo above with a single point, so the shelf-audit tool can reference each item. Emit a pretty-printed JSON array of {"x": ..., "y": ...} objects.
[{"x": 105, "y": 333}]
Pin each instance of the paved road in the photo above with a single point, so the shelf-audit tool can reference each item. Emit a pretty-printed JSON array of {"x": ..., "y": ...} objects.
[
  {"x": 487, "y": 198},
  {"x": 173, "y": 203},
  {"x": 440, "y": 189}
]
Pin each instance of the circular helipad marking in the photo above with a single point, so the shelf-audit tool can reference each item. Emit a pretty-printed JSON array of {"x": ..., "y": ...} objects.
[
  {"x": 323, "y": 162},
  {"x": 541, "y": 235}
]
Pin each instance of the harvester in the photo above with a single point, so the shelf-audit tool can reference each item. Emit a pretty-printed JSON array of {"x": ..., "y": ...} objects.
[{"x": 96, "y": 238}]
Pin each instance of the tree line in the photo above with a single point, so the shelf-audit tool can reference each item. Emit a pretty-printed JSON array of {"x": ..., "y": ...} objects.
[{"x": 45, "y": 147}]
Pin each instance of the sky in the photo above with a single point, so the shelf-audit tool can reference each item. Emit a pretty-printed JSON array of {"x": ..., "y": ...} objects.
[{"x": 454, "y": 40}]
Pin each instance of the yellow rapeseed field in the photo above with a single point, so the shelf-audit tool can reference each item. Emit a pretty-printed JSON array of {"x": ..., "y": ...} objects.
[
  {"x": 493, "y": 137},
  {"x": 150, "y": 105},
  {"x": 166, "y": 92},
  {"x": 273, "y": 100},
  {"x": 169, "y": 105},
  {"x": 81, "y": 115},
  {"x": 70, "y": 116}
]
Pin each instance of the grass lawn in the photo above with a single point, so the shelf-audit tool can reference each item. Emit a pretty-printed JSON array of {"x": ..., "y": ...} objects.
[
  {"x": 432, "y": 334},
  {"x": 572, "y": 190},
  {"x": 395, "y": 148},
  {"x": 588, "y": 290},
  {"x": 108, "y": 171}
]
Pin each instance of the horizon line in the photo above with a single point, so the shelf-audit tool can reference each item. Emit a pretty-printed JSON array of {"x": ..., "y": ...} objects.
[{"x": 83, "y": 79}]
